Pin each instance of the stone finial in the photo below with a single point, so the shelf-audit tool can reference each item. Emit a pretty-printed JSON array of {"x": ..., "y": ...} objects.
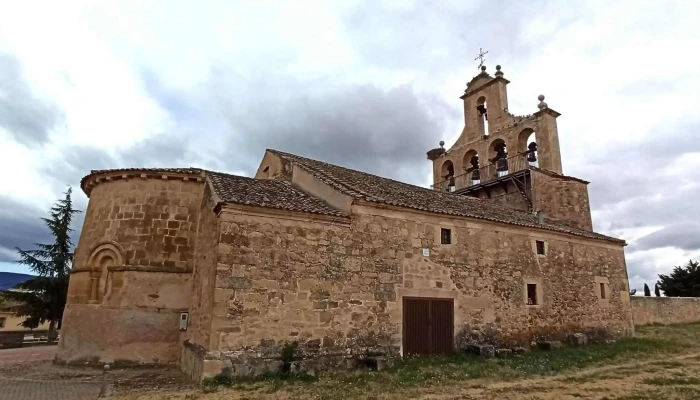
[
  {"x": 542, "y": 104},
  {"x": 483, "y": 68},
  {"x": 498, "y": 71},
  {"x": 442, "y": 143}
]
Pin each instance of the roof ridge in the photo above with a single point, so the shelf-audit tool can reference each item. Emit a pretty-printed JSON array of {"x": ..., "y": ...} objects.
[
  {"x": 225, "y": 174},
  {"x": 350, "y": 189},
  {"x": 297, "y": 157},
  {"x": 373, "y": 188}
]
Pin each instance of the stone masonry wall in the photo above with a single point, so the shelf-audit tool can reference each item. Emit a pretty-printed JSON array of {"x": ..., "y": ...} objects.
[
  {"x": 665, "y": 310},
  {"x": 337, "y": 289},
  {"x": 132, "y": 271},
  {"x": 153, "y": 220},
  {"x": 97, "y": 334},
  {"x": 512, "y": 198},
  {"x": 198, "y": 332},
  {"x": 563, "y": 199}
]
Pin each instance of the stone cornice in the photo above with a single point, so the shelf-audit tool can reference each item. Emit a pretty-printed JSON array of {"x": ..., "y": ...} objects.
[
  {"x": 137, "y": 268},
  {"x": 549, "y": 111},
  {"x": 471, "y": 90},
  {"x": 97, "y": 177}
]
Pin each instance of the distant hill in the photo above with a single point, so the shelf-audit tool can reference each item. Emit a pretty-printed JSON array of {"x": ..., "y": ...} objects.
[{"x": 10, "y": 279}]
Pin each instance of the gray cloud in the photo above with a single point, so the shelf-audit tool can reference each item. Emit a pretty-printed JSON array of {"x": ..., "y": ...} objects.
[
  {"x": 28, "y": 118},
  {"x": 364, "y": 127},
  {"x": 641, "y": 165},
  {"x": 641, "y": 272},
  {"x": 440, "y": 37},
  {"x": 21, "y": 227},
  {"x": 175, "y": 102},
  {"x": 683, "y": 235},
  {"x": 165, "y": 150},
  {"x": 386, "y": 132}
]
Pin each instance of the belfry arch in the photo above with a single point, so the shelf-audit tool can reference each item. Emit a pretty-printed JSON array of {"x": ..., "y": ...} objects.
[
  {"x": 447, "y": 173},
  {"x": 482, "y": 116},
  {"x": 527, "y": 143},
  {"x": 468, "y": 161}
]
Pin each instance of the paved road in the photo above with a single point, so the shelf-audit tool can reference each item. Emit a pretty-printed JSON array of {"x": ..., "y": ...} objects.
[
  {"x": 18, "y": 389},
  {"x": 32, "y": 389},
  {"x": 38, "y": 353}
]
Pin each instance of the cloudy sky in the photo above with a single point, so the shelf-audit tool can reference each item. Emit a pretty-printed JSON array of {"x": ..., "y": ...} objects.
[{"x": 371, "y": 85}]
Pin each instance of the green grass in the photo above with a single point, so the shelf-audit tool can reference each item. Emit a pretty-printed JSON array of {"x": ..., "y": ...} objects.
[{"x": 437, "y": 371}]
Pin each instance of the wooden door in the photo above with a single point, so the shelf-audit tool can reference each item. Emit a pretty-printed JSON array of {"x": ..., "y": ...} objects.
[{"x": 427, "y": 326}]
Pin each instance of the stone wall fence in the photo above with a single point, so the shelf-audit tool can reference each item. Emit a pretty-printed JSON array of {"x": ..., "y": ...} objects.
[{"x": 665, "y": 310}]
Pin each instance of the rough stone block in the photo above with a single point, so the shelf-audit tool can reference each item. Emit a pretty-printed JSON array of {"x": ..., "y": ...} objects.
[
  {"x": 520, "y": 350},
  {"x": 504, "y": 353},
  {"x": 320, "y": 305},
  {"x": 578, "y": 339},
  {"x": 484, "y": 350},
  {"x": 384, "y": 363},
  {"x": 233, "y": 282},
  {"x": 549, "y": 345},
  {"x": 211, "y": 368}
]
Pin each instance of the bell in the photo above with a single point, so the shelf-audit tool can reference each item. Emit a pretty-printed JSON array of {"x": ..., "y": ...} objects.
[
  {"x": 476, "y": 175},
  {"x": 532, "y": 153},
  {"x": 502, "y": 165}
]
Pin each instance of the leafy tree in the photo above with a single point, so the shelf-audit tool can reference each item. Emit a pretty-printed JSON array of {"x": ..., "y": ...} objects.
[
  {"x": 682, "y": 282},
  {"x": 657, "y": 292},
  {"x": 43, "y": 298},
  {"x": 647, "y": 292}
]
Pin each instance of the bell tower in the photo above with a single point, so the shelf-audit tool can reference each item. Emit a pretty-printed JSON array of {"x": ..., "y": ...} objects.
[{"x": 498, "y": 152}]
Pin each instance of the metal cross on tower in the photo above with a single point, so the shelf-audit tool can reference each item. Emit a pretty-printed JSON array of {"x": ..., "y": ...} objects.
[{"x": 481, "y": 57}]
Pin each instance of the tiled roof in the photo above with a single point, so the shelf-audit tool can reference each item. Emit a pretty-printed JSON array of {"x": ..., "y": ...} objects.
[
  {"x": 238, "y": 189},
  {"x": 361, "y": 185},
  {"x": 267, "y": 193}
]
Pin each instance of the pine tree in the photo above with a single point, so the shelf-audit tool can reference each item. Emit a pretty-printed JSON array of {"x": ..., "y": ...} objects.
[
  {"x": 43, "y": 298},
  {"x": 647, "y": 292},
  {"x": 657, "y": 292},
  {"x": 682, "y": 281}
]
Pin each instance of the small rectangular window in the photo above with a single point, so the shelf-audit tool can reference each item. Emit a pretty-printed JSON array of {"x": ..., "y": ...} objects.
[
  {"x": 2, "y": 322},
  {"x": 531, "y": 294},
  {"x": 602, "y": 291},
  {"x": 445, "y": 236},
  {"x": 540, "y": 247}
]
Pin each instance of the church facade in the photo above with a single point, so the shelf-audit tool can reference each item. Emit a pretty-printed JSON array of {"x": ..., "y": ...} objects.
[{"x": 212, "y": 270}]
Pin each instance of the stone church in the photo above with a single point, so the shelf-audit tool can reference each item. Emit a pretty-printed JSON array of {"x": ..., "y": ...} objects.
[{"x": 211, "y": 270}]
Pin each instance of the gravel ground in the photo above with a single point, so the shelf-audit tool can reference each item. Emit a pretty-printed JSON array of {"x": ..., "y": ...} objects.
[{"x": 43, "y": 380}]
